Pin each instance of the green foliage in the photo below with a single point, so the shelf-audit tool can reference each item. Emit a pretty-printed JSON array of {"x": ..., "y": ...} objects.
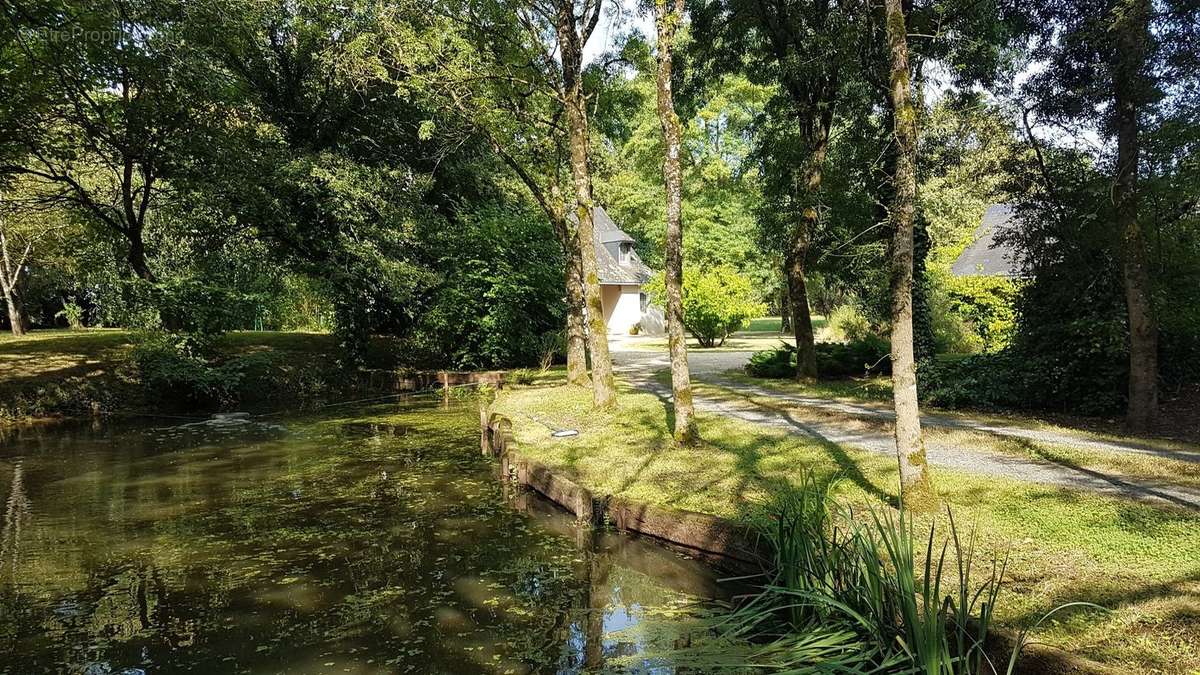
[
  {"x": 716, "y": 302},
  {"x": 846, "y": 323},
  {"x": 73, "y": 313},
  {"x": 952, "y": 334},
  {"x": 301, "y": 304},
  {"x": 721, "y": 182},
  {"x": 499, "y": 302},
  {"x": 170, "y": 371},
  {"x": 987, "y": 305},
  {"x": 869, "y": 355},
  {"x": 194, "y": 306},
  {"x": 978, "y": 381}
]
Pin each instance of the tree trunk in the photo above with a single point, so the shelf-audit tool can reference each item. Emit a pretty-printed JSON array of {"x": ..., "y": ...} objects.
[
  {"x": 10, "y": 283},
  {"x": 667, "y": 16},
  {"x": 1133, "y": 38},
  {"x": 807, "y": 191},
  {"x": 916, "y": 485},
  {"x": 806, "y": 352},
  {"x": 573, "y": 278},
  {"x": 18, "y": 322},
  {"x": 603, "y": 387},
  {"x": 137, "y": 256},
  {"x": 785, "y": 307}
]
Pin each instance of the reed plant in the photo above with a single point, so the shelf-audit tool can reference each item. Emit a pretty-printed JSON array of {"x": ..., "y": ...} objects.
[{"x": 849, "y": 593}]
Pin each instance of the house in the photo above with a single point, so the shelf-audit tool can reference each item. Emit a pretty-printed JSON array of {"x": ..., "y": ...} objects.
[
  {"x": 986, "y": 256},
  {"x": 622, "y": 274}
]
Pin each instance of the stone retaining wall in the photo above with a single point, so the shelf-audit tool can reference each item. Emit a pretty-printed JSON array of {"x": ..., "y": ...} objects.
[
  {"x": 736, "y": 544},
  {"x": 400, "y": 381}
]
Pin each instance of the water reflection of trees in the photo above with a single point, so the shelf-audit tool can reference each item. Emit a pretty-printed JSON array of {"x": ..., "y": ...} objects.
[
  {"x": 16, "y": 521},
  {"x": 144, "y": 553}
]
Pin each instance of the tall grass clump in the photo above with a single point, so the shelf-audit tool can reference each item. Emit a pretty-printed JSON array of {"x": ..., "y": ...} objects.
[{"x": 850, "y": 593}]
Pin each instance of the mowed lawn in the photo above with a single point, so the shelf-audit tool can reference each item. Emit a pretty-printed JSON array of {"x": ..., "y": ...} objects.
[{"x": 1139, "y": 560}]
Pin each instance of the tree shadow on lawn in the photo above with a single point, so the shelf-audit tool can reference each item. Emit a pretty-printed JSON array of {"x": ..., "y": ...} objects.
[
  {"x": 848, "y": 467},
  {"x": 1117, "y": 594},
  {"x": 1140, "y": 488},
  {"x": 749, "y": 455}
]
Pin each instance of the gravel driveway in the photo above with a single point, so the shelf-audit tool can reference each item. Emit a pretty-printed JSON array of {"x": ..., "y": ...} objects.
[{"x": 638, "y": 367}]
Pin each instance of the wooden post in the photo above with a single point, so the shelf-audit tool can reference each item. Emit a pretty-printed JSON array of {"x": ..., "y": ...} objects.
[{"x": 485, "y": 440}]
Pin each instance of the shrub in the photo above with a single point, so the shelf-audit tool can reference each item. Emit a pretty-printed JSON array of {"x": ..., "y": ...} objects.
[
  {"x": 953, "y": 332},
  {"x": 846, "y": 323},
  {"x": 716, "y": 302},
  {"x": 869, "y": 355},
  {"x": 979, "y": 381},
  {"x": 73, "y": 313},
  {"x": 171, "y": 371},
  {"x": 1020, "y": 380},
  {"x": 986, "y": 305},
  {"x": 504, "y": 296},
  {"x": 522, "y": 376}
]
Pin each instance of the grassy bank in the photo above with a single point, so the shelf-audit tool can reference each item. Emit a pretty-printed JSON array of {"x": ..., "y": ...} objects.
[
  {"x": 1140, "y": 560},
  {"x": 62, "y": 372}
]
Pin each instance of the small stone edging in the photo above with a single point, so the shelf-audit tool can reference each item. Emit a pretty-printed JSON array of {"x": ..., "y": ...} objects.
[
  {"x": 730, "y": 542},
  {"x": 404, "y": 380}
]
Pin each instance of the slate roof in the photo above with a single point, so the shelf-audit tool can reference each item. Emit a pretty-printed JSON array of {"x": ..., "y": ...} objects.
[
  {"x": 605, "y": 231},
  {"x": 985, "y": 256}
]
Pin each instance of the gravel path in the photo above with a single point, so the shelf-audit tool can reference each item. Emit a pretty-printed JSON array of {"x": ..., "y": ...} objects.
[{"x": 638, "y": 367}]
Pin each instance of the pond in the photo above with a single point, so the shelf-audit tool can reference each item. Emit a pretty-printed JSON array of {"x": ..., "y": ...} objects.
[{"x": 376, "y": 540}]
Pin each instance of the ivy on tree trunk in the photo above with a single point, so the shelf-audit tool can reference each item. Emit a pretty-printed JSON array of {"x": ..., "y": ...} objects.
[{"x": 1131, "y": 25}]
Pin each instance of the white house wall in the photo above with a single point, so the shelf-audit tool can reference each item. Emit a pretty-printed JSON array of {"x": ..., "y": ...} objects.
[{"x": 622, "y": 306}]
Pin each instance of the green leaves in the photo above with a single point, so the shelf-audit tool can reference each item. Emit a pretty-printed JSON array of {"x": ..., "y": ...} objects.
[{"x": 716, "y": 302}]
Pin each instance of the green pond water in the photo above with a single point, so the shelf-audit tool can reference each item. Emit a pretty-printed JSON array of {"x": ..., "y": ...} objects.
[{"x": 369, "y": 541}]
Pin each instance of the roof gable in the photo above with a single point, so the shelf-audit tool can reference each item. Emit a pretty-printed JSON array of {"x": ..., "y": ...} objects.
[
  {"x": 611, "y": 271},
  {"x": 987, "y": 256}
]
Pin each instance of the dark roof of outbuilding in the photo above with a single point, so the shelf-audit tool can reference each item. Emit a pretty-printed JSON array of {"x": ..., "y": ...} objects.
[
  {"x": 986, "y": 256},
  {"x": 611, "y": 271}
]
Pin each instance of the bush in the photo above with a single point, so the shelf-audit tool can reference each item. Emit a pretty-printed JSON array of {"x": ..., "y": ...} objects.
[
  {"x": 171, "y": 371},
  {"x": 979, "y": 381},
  {"x": 846, "y": 323},
  {"x": 502, "y": 304},
  {"x": 716, "y": 302},
  {"x": 986, "y": 305},
  {"x": 867, "y": 356},
  {"x": 1018, "y": 380},
  {"x": 73, "y": 313}
]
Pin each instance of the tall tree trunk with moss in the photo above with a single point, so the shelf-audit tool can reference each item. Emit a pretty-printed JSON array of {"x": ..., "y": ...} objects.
[
  {"x": 667, "y": 16},
  {"x": 1131, "y": 24},
  {"x": 570, "y": 42},
  {"x": 916, "y": 484},
  {"x": 573, "y": 276}
]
